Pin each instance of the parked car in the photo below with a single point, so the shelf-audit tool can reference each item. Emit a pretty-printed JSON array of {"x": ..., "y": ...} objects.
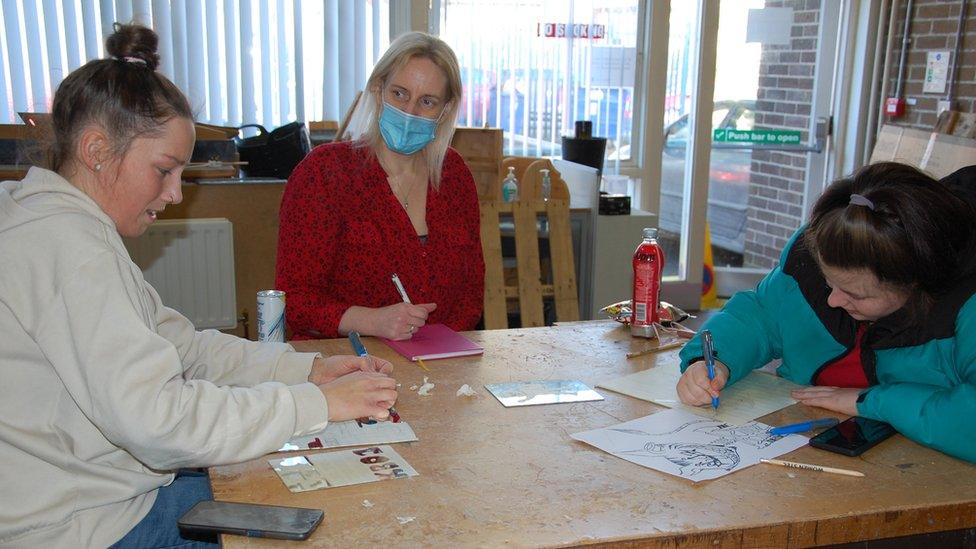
[{"x": 728, "y": 186}]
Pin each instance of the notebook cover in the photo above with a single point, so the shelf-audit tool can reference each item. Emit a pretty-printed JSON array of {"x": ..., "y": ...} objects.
[{"x": 433, "y": 341}]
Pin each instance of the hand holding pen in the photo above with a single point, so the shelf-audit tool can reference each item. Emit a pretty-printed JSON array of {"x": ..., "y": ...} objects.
[
  {"x": 360, "y": 350},
  {"x": 709, "y": 351},
  {"x": 330, "y": 368},
  {"x": 696, "y": 387},
  {"x": 407, "y": 317}
]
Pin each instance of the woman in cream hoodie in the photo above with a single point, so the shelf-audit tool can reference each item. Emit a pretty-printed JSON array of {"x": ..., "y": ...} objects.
[{"x": 106, "y": 393}]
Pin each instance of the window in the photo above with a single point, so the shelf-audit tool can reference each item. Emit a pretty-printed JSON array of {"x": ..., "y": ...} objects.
[
  {"x": 534, "y": 67},
  {"x": 239, "y": 61}
]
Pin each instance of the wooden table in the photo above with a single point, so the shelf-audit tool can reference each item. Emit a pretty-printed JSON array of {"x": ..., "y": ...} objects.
[{"x": 492, "y": 476}]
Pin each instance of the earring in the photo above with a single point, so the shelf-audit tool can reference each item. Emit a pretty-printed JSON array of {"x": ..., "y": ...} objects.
[{"x": 98, "y": 167}]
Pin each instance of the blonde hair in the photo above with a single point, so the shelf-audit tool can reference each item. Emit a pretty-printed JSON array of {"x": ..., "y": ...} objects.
[{"x": 402, "y": 50}]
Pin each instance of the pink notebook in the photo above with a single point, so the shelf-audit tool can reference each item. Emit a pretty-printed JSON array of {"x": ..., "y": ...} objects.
[{"x": 434, "y": 341}]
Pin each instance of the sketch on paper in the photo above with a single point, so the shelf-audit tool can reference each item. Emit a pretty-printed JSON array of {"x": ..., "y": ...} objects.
[{"x": 692, "y": 447}]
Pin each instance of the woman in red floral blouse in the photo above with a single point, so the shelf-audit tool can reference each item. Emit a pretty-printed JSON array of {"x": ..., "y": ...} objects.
[{"x": 396, "y": 200}]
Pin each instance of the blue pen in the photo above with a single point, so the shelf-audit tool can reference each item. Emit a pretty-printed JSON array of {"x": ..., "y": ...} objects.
[
  {"x": 804, "y": 426},
  {"x": 360, "y": 350},
  {"x": 709, "y": 350},
  {"x": 357, "y": 344}
]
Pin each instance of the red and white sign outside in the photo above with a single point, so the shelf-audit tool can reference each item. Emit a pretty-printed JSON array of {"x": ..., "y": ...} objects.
[{"x": 578, "y": 30}]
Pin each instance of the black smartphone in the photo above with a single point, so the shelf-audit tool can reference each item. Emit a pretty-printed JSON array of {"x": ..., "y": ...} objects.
[
  {"x": 247, "y": 519},
  {"x": 853, "y": 436}
]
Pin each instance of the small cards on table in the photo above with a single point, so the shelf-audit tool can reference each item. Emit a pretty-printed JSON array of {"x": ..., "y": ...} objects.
[
  {"x": 528, "y": 393},
  {"x": 353, "y": 433},
  {"x": 341, "y": 468}
]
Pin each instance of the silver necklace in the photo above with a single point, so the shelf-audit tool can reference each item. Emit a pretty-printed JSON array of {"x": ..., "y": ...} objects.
[{"x": 399, "y": 187}]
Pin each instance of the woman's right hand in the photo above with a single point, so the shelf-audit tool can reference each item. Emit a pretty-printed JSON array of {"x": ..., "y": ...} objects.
[
  {"x": 399, "y": 321},
  {"x": 694, "y": 387},
  {"x": 360, "y": 394}
]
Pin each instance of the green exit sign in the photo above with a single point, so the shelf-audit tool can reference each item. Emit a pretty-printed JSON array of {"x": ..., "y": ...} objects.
[{"x": 757, "y": 136}]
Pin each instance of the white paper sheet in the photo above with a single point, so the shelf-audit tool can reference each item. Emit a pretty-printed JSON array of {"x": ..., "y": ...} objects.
[
  {"x": 689, "y": 446},
  {"x": 749, "y": 398},
  {"x": 353, "y": 433}
]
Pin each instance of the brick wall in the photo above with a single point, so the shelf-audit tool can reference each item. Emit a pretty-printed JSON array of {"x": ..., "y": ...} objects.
[
  {"x": 933, "y": 28},
  {"x": 783, "y": 101}
]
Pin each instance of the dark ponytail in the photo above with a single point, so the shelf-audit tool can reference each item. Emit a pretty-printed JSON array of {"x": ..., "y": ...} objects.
[{"x": 123, "y": 94}]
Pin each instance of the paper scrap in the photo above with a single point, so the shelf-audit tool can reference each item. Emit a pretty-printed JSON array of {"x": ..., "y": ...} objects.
[
  {"x": 424, "y": 389},
  {"x": 367, "y": 504},
  {"x": 466, "y": 390},
  {"x": 751, "y": 397},
  {"x": 404, "y": 520},
  {"x": 692, "y": 447}
]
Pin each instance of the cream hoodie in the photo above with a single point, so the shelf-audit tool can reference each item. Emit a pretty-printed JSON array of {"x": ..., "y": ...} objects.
[{"x": 103, "y": 390}]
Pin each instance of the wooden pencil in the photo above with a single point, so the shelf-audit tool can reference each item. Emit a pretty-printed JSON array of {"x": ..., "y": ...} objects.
[
  {"x": 811, "y": 467},
  {"x": 658, "y": 349}
]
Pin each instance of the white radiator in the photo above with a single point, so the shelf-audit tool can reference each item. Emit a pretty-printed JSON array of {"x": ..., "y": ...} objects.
[{"x": 190, "y": 262}]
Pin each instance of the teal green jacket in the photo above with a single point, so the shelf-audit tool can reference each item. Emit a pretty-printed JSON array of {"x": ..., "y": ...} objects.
[{"x": 923, "y": 378}]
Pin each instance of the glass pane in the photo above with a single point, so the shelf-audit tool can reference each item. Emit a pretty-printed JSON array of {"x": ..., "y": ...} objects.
[
  {"x": 677, "y": 130},
  {"x": 756, "y": 196},
  {"x": 762, "y": 83},
  {"x": 534, "y": 67}
]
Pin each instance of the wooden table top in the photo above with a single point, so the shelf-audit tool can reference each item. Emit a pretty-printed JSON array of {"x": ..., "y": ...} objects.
[{"x": 493, "y": 476}]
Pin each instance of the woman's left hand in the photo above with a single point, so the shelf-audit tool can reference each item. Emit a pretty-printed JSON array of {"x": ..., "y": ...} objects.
[
  {"x": 330, "y": 368},
  {"x": 832, "y": 398}
]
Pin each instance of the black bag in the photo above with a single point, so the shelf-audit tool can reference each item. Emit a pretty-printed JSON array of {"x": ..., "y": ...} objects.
[{"x": 273, "y": 154}]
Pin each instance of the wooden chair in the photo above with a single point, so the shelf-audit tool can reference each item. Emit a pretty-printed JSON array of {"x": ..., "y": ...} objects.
[{"x": 528, "y": 287}]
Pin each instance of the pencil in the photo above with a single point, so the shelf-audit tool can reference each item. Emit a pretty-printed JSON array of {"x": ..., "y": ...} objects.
[
  {"x": 658, "y": 349},
  {"x": 420, "y": 362},
  {"x": 810, "y": 467}
]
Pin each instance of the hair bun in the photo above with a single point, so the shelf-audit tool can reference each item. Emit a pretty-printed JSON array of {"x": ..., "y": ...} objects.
[{"x": 134, "y": 41}]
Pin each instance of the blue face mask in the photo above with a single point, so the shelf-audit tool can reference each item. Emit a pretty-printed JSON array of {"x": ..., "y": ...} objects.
[{"x": 405, "y": 133}]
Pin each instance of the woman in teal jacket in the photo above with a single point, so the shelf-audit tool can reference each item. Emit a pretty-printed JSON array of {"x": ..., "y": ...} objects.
[{"x": 872, "y": 305}]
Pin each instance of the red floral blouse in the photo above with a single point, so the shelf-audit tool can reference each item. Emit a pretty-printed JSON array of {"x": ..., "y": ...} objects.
[{"x": 343, "y": 233}]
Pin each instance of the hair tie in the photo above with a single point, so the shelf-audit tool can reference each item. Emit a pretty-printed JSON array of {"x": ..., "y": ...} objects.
[
  {"x": 861, "y": 200},
  {"x": 138, "y": 60}
]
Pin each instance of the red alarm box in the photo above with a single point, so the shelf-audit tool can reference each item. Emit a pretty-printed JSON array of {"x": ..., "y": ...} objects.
[{"x": 894, "y": 107}]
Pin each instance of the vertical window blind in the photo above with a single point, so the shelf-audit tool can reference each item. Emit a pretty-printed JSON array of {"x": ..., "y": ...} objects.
[{"x": 239, "y": 61}]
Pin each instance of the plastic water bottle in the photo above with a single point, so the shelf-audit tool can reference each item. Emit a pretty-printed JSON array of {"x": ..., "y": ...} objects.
[
  {"x": 510, "y": 186},
  {"x": 546, "y": 185},
  {"x": 648, "y": 266}
]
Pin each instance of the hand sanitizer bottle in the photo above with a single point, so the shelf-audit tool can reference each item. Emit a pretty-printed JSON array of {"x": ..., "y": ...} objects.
[
  {"x": 510, "y": 186},
  {"x": 546, "y": 185}
]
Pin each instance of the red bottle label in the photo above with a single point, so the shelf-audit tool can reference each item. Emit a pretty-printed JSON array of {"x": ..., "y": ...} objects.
[{"x": 648, "y": 264}]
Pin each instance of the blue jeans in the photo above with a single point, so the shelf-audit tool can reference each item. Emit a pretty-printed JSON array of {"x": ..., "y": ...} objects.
[{"x": 158, "y": 528}]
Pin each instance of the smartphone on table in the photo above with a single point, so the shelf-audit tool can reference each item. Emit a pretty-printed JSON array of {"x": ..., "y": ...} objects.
[
  {"x": 853, "y": 437},
  {"x": 248, "y": 519}
]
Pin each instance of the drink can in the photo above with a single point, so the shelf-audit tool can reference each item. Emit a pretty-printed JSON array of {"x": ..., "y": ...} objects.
[{"x": 271, "y": 316}]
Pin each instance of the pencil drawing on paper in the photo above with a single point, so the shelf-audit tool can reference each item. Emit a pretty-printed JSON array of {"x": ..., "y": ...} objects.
[
  {"x": 692, "y": 459},
  {"x": 690, "y": 446}
]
